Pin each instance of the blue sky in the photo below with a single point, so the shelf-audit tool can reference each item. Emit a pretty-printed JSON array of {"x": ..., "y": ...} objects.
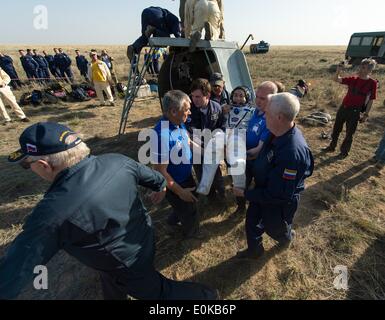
[{"x": 281, "y": 22}]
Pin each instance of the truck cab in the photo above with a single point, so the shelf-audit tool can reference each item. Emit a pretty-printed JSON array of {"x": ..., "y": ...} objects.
[{"x": 366, "y": 45}]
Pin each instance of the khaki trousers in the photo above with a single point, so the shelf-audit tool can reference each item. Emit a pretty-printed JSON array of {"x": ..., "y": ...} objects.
[
  {"x": 9, "y": 98},
  {"x": 103, "y": 86}
]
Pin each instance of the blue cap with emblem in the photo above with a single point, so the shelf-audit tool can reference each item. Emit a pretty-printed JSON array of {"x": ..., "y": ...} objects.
[{"x": 42, "y": 139}]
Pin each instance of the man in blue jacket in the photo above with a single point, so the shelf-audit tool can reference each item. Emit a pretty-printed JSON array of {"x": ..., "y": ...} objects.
[
  {"x": 51, "y": 64},
  {"x": 158, "y": 22},
  {"x": 6, "y": 63},
  {"x": 94, "y": 212},
  {"x": 279, "y": 172},
  {"x": 65, "y": 66},
  {"x": 82, "y": 64},
  {"x": 30, "y": 66},
  {"x": 43, "y": 71}
]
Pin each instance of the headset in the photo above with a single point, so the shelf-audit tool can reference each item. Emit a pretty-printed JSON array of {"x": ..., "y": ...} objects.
[{"x": 246, "y": 90}]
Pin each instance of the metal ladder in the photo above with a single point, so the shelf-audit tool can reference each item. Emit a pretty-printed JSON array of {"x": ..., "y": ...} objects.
[{"x": 135, "y": 79}]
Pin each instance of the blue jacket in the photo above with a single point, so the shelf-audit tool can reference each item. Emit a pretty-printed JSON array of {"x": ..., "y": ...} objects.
[
  {"x": 51, "y": 60},
  {"x": 66, "y": 60},
  {"x": 42, "y": 62},
  {"x": 212, "y": 120},
  {"x": 163, "y": 20},
  {"x": 82, "y": 64},
  {"x": 257, "y": 130},
  {"x": 107, "y": 60},
  {"x": 29, "y": 64},
  {"x": 93, "y": 211},
  {"x": 62, "y": 61},
  {"x": 281, "y": 169},
  {"x": 6, "y": 63}
]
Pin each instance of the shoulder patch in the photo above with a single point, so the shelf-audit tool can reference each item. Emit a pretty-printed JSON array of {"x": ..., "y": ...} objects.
[{"x": 290, "y": 174}]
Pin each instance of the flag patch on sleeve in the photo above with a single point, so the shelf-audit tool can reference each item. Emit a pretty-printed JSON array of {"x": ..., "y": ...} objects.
[{"x": 290, "y": 174}]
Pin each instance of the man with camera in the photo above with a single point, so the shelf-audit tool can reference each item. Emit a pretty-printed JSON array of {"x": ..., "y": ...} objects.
[{"x": 359, "y": 99}]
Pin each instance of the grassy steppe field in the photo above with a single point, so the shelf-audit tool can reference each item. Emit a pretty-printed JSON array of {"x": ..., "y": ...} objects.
[{"x": 341, "y": 219}]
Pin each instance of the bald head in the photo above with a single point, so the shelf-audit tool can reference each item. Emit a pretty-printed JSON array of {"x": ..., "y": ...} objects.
[
  {"x": 263, "y": 91},
  {"x": 268, "y": 86}
]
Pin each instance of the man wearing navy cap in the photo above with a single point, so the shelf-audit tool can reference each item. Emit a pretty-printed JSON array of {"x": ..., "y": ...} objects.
[
  {"x": 93, "y": 211},
  {"x": 219, "y": 92}
]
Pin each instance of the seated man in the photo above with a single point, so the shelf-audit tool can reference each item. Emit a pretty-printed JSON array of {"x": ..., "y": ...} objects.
[
  {"x": 172, "y": 157},
  {"x": 158, "y": 22},
  {"x": 234, "y": 141},
  {"x": 94, "y": 212},
  {"x": 279, "y": 173}
]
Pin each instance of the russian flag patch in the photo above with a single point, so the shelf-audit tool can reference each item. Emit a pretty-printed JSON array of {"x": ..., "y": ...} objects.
[{"x": 290, "y": 174}]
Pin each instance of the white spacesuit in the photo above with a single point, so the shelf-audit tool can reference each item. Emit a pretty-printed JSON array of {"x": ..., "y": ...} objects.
[{"x": 233, "y": 140}]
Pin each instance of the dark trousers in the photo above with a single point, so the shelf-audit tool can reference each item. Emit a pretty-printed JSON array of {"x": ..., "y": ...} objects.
[
  {"x": 67, "y": 74},
  {"x": 16, "y": 84},
  {"x": 148, "y": 284},
  {"x": 155, "y": 63},
  {"x": 184, "y": 212},
  {"x": 350, "y": 116},
  {"x": 32, "y": 74},
  {"x": 15, "y": 81},
  {"x": 273, "y": 220},
  {"x": 55, "y": 72},
  {"x": 42, "y": 75},
  {"x": 154, "y": 19}
]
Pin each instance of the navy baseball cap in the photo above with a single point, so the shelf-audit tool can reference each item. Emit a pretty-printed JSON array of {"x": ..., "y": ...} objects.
[
  {"x": 42, "y": 139},
  {"x": 216, "y": 79}
]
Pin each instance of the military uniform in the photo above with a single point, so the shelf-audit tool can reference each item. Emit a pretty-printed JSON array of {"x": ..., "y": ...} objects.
[
  {"x": 63, "y": 63},
  {"x": 53, "y": 68},
  {"x": 43, "y": 71},
  {"x": 30, "y": 66},
  {"x": 82, "y": 64},
  {"x": 279, "y": 173}
]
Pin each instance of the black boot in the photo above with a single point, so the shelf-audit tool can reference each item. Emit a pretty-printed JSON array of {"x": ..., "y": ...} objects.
[{"x": 251, "y": 254}]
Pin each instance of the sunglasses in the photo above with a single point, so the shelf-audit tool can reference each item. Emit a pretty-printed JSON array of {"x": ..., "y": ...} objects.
[{"x": 27, "y": 164}]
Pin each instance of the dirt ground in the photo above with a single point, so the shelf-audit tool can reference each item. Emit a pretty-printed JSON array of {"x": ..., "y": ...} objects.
[{"x": 341, "y": 219}]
